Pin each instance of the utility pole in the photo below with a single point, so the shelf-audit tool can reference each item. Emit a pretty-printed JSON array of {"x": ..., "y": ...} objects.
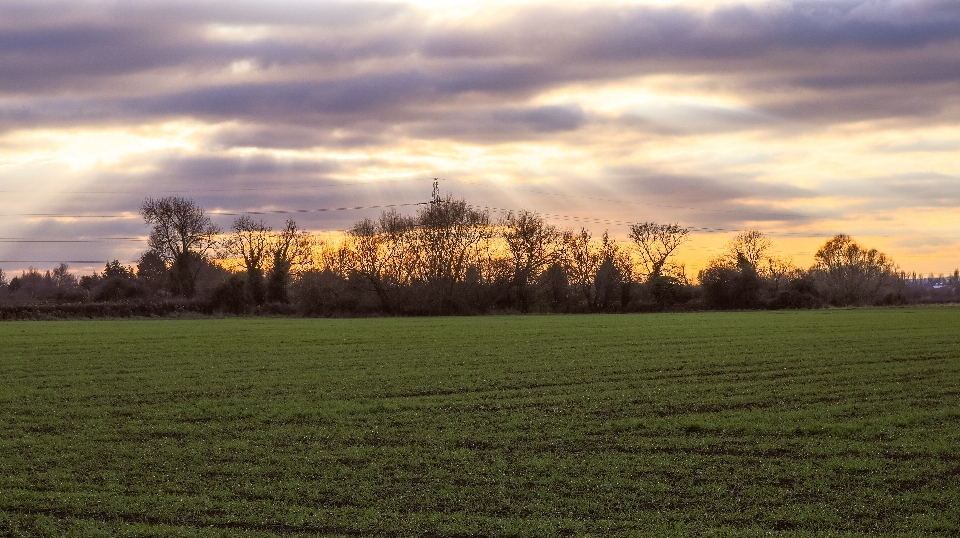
[{"x": 436, "y": 191}]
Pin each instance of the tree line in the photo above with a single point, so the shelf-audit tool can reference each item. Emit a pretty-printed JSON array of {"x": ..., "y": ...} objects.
[{"x": 451, "y": 258}]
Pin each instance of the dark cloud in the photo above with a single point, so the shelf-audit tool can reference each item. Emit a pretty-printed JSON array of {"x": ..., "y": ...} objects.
[
  {"x": 544, "y": 119},
  {"x": 71, "y": 45},
  {"x": 375, "y": 93},
  {"x": 295, "y": 137},
  {"x": 109, "y": 59},
  {"x": 900, "y": 191},
  {"x": 637, "y": 194},
  {"x": 644, "y": 183},
  {"x": 238, "y": 171},
  {"x": 637, "y": 33},
  {"x": 502, "y": 124}
]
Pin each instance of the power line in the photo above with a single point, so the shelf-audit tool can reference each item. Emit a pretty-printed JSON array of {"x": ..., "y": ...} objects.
[
  {"x": 63, "y": 216},
  {"x": 702, "y": 229},
  {"x": 53, "y": 261},
  {"x": 317, "y": 210},
  {"x": 92, "y": 240},
  {"x": 219, "y": 212}
]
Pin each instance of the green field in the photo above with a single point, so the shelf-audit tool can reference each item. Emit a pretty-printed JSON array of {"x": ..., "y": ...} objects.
[{"x": 833, "y": 422}]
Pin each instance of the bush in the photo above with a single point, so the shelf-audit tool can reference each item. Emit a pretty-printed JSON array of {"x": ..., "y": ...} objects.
[
  {"x": 117, "y": 289},
  {"x": 324, "y": 293},
  {"x": 231, "y": 296}
]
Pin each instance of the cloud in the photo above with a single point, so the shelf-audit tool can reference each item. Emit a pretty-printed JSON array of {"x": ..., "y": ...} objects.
[
  {"x": 326, "y": 62},
  {"x": 697, "y": 105},
  {"x": 501, "y": 125},
  {"x": 922, "y": 189}
]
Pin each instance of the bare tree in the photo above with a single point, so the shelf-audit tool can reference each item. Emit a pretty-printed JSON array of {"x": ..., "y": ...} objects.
[
  {"x": 752, "y": 245},
  {"x": 62, "y": 278},
  {"x": 655, "y": 243},
  {"x": 533, "y": 246},
  {"x": 291, "y": 249},
  {"x": 582, "y": 259},
  {"x": 250, "y": 242},
  {"x": 745, "y": 274},
  {"x": 851, "y": 274},
  {"x": 779, "y": 272},
  {"x": 447, "y": 241},
  {"x": 448, "y": 234},
  {"x": 381, "y": 249},
  {"x": 182, "y": 235},
  {"x": 338, "y": 257}
]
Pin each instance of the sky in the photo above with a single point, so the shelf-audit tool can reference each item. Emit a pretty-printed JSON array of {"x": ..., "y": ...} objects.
[{"x": 801, "y": 119}]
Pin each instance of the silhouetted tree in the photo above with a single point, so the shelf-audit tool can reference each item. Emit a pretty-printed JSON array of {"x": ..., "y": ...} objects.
[
  {"x": 152, "y": 270},
  {"x": 337, "y": 256},
  {"x": 382, "y": 250},
  {"x": 533, "y": 245},
  {"x": 731, "y": 287},
  {"x": 250, "y": 242},
  {"x": 555, "y": 288},
  {"x": 115, "y": 269},
  {"x": 447, "y": 239},
  {"x": 749, "y": 247},
  {"x": 291, "y": 248},
  {"x": 619, "y": 280},
  {"x": 324, "y": 293},
  {"x": 655, "y": 244},
  {"x": 62, "y": 278},
  {"x": 607, "y": 284},
  {"x": 231, "y": 295},
  {"x": 747, "y": 275},
  {"x": 115, "y": 283},
  {"x": 849, "y": 274},
  {"x": 182, "y": 235},
  {"x": 32, "y": 285},
  {"x": 582, "y": 259}
]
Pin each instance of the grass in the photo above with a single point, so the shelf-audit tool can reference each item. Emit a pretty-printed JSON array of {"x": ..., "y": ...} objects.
[{"x": 826, "y": 423}]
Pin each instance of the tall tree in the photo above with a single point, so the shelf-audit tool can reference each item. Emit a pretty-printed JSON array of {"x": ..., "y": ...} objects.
[
  {"x": 447, "y": 240},
  {"x": 752, "y": 246},
  {"x": 851, "y": 274},
  {"x": 382, "y": 251},
  {"x": 291, "y": 248},
  {"x": 250, "y": 242},
  {"x": 183, "y": 236},
  {"x": 655, "y": 244},
  {"x": 744, "y": 274},
  {"x": 152, "y": 270},
  {"x": 448, "y": 234},
  {"x": 533, "y": 246},
  {"x": 582, "y": 259}
]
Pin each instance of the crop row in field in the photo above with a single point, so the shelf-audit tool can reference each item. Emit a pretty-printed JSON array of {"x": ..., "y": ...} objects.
[{"x": 837, "y": 422}]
